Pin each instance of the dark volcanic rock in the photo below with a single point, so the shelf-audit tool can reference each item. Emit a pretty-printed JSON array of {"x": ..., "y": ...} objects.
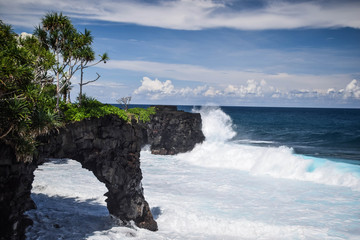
[
  {"x": 15, "y": 187},
  {"x": 107, "y": 146},
  {"x": 170, "y": 131},
  {"x": 110, "y": 148}
]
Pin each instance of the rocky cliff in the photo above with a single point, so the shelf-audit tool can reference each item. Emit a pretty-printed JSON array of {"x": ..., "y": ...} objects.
[
  {"x": 170, "y": 131},
  {"x": 15, "y": 188},
  {"x": 107, "y": 146}
]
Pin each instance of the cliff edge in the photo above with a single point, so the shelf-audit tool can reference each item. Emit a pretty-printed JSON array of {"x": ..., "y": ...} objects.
[
  {"x": 170, "y": 131},
  {"x": 107, "y": 146}
]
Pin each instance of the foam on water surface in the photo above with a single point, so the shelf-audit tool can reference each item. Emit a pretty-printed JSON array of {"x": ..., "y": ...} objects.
[
  {"x": 193, "y": 202},
  {"x": 220, "y": 190},
  {"x": 279, "y": 162}
]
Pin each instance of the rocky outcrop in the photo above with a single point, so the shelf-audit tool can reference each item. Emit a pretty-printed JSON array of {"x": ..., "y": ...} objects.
[
  {"x": 15, "y": 188},
  {"x": 170, "y": 131},
  {"x": 110, "y": 148},
  {"x": 107, "y": 146}
]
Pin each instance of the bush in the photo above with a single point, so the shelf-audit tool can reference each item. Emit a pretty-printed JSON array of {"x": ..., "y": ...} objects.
[
  {"x": 90, "y": 107},
  {"x": 141, "y": 114}
]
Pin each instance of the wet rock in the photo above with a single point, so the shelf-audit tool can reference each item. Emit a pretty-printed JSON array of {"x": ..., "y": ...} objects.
[{"x": 170, "y": 131}]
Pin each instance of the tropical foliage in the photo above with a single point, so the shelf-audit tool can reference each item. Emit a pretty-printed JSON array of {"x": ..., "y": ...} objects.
[
  {"x": 26, "y": 101},
  {"x": 30, "y": 103},
  {"x": 91, "y": 108}
]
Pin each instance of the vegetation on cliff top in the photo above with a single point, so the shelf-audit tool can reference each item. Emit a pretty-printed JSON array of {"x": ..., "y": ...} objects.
[
  {"x": 28, "y": 96},
  {"x": 90, "y": 107}
]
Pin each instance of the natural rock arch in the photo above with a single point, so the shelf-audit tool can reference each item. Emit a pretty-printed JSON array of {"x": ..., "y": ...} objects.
[
  {"x": 107, "y": 146},
  {"x": 110, "y": 148}
]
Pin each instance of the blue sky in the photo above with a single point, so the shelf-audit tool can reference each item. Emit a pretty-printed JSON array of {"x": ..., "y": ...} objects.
[{"x": 223, "y": 52}]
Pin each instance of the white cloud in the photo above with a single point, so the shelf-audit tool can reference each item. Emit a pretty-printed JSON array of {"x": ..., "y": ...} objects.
[
  {"x": 352, "y": 90},
  {"x": 192, "y": 15},
  {"x": 211, "y": 92},
  {"x": 156, "y": 89},
  {"x": 192, "y": 91},
  {"x": 252, "y": 87}
]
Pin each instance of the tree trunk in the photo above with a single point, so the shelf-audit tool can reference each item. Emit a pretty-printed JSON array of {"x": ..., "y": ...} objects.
[
  {"x": 57, "y": 83},
  {"x": 68, "y": 97},
  {"x": 81, "y": 85}
]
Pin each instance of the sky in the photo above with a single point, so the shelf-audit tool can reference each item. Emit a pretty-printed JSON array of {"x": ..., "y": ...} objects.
[{"x": 282, "y": 53}]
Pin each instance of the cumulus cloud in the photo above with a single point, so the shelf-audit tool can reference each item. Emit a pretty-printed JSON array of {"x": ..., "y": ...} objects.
[
  {"x": 148, "y": 85},
  {"x": 352, "y": 90},
  {"x": 155, "y": 89},
  {"x": 253, "y": 88},
  {"x": 193, "y": 15}
]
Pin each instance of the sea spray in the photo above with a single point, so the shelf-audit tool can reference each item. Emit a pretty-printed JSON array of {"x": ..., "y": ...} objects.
[
  {"x": 280, "y": 162},
  {"x": 216, "y": 125}
]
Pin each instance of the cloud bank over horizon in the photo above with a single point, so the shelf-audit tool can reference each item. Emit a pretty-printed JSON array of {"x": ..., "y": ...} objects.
[{"x": 260, "y": 90}]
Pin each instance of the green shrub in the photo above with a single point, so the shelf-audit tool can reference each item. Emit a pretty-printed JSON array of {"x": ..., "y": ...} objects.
[
  {"x": 142, "y": 114},
  {"x": 90, "y": 107}
]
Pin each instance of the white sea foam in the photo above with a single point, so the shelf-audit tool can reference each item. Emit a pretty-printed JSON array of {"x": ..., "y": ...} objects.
[
  {"x": 220, "y": 190},
  {"x": 279, "y": 162},
  {"x": 191, "y": 203},
  {"x": 216, "y": 125}
]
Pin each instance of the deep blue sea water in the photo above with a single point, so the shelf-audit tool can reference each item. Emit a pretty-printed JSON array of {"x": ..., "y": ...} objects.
[
  {"x": 330, "y": 133},
  {"x": 320, "y": 132}
]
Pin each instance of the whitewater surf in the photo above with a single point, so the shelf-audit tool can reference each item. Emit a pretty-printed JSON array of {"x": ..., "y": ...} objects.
[{"x": 223, "y": 189}]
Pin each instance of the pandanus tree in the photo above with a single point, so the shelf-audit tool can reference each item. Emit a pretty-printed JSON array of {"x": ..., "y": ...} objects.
[
  {"x": 57, "y": 34},
  {"x": 87, "y": 58},
  {"x": 72, "y": 49}
]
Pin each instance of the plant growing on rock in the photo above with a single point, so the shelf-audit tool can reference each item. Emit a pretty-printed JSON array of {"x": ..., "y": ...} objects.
[{"x": 26, "y": 101}]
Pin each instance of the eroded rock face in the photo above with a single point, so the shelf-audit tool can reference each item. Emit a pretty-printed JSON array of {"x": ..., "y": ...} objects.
[
  {"x": 107, "y": 146},
  {"x": 170, "y": 131},
  {"x": 15, "y": 188},
  {"x": 110, "y": 148}
]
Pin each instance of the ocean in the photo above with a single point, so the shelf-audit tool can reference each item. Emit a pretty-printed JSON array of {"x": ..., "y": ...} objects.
[{"x": 261, "y": 173}]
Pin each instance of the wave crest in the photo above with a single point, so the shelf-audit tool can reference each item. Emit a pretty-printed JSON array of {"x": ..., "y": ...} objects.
[{"x": 278, "y": 162}]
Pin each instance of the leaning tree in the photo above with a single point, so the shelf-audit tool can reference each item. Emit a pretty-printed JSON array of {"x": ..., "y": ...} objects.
[{"x": 87, "y": 58}]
